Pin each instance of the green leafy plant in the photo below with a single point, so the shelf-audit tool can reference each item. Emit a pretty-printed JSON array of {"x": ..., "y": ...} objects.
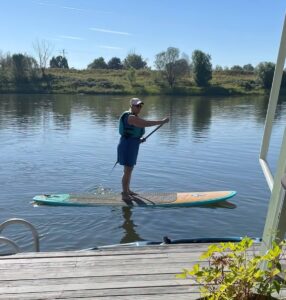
[{"x": 234, "y": 273}]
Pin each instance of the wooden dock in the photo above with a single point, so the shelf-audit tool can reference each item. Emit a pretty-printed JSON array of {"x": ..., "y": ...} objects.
[{"x": 142, "y": 273}]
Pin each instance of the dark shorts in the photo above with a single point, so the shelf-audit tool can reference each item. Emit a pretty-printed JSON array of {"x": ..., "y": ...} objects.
[{"x": 127, "y": 151}]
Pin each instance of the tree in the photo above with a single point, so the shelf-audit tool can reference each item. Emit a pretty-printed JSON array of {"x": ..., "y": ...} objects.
[
  {"x": 218, "y": 68},
  {"x": 23, "y": 67},
  {"x": 6, "y": 62},
  {"x": 202, "y": 67},
  {"x": 186, "y": 57},
  {"x": 265, "y": 73},
  {"x": 134, "y": 61},
  {"x": 170, "y": 65},
  {"x": 98, "y": 63},
  {"x": 115, "y": 63},
  {"x": 248, "y": 68},
  {"x": 43, "y": 50},
  {"x": 181, "y": 67},
  {"x": 19, "y": 67},
  {"x": 236, "y": 68},
  {"x": 283, "y": 81},
  {"x": 59, "y": 62}
]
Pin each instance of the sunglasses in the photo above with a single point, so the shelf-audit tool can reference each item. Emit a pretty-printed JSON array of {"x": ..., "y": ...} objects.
[{"x": 139, "y": 105}]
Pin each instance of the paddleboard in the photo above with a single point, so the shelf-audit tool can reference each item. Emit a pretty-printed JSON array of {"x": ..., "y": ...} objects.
[{"x": 142, "y": 199}]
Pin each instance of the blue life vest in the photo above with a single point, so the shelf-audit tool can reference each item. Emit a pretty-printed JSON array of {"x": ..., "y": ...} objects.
[{"x": 127, "y": 130}]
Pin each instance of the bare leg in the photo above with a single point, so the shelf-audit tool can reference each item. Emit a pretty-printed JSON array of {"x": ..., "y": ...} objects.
[{"x": 126, "y": 178}]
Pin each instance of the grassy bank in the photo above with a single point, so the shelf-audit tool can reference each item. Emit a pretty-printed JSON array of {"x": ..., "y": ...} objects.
[{"x": 141, "y": 82}]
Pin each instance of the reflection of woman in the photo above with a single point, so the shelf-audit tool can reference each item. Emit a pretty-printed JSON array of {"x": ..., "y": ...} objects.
[
  {"x": 130, "y": 235},
  {"x": 131, "y": 129}
]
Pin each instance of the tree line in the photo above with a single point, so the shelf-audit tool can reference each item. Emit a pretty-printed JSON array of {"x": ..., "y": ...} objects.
[{"x": 170, "y": 64}]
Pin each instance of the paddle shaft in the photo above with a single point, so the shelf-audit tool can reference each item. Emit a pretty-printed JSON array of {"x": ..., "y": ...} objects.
[{"x": 153, "y": 131}]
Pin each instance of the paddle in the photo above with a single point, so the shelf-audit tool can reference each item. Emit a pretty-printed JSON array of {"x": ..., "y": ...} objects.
[{"x": 143, "y": 140}]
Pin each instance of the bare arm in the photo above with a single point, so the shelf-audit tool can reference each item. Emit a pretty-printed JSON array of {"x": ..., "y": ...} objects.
[{"x": 141, "y": 123}]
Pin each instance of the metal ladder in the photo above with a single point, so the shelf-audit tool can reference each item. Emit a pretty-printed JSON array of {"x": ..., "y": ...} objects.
[{"x": 9, "y": 242}]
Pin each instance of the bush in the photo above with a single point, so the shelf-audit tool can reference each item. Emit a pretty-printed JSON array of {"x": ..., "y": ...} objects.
[
  {"x": 232, "y": 274},
  {"x": 201, "y": 68},
  {"x": 265, "y": 73}
]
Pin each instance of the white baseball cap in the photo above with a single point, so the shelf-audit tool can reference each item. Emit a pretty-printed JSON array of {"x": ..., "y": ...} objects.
[{"x": 135, "y": 101}]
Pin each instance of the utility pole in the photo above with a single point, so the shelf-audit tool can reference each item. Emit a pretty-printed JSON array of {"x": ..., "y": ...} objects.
[{"x": 63, "y": 52}]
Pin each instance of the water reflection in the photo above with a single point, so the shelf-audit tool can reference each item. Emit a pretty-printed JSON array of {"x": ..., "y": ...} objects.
[
  {"x": 261, "y": 105},
  {"x": 62, "y": 111},
  {"x": 202, "y": 112},
  {"x": 185, "y": 112},
  {"x": 129, "y": 235}
]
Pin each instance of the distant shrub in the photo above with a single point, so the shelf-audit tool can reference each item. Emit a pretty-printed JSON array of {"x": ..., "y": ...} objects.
[
  {"x": 104, "y": 83},
  {"x": 131, "y": 76},
  {"x": 134, "y": 61},
  {"x": 144, "y": 72},
  {"x": 201, "y": 68},
  {"x": 118, "y": 86},
  {"x": 265, "y": 72}
]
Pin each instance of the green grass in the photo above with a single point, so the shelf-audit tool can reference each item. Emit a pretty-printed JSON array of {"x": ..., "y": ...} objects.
[{"x": 140, "y": 82}]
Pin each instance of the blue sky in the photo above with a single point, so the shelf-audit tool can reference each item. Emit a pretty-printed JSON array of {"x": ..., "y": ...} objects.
[{"x": 231, "y": 31}]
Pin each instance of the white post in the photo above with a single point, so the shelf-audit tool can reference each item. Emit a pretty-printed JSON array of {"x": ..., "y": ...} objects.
[
  {"x": 282, "y": 218},
  {"x": 275, "y": 226},
  {"x": 272, "y": 107}
]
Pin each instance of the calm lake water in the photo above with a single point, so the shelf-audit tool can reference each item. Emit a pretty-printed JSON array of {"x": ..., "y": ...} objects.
[{"x": 62, "y": 144}]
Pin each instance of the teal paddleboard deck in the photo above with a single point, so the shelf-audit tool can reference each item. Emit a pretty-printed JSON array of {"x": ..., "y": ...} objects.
[{"x": 144, "y": 199}]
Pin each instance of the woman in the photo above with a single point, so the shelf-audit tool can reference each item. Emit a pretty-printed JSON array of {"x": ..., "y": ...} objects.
[{"x": 131, "y": 129}]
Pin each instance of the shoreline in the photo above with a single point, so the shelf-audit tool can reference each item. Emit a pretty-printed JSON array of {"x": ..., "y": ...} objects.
[
  {"x": 145, "y": 82},
  {"x": 226, "y": 93}
]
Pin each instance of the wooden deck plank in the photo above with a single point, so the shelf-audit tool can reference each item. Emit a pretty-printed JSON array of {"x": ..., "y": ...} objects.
[
  {"x": 130, "y": 293},
  {"x": 85, "y": 272},
  {"x": 86, "y": 279},
  {"x": 171, "y": 293},
  {"x": 59, "y": 296},
  {"x": 182, "y": 255},
  {"x": 151, "y": 249},
  {"x": 107, "y": 284},
  {"x": 72, "y": 264}
]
